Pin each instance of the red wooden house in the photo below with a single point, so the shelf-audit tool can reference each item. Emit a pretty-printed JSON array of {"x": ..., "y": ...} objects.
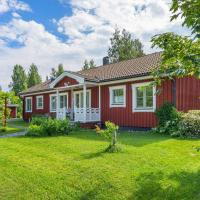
[
  {"x": 111, "y": 92},
  {"x": 13, "y": 110}
]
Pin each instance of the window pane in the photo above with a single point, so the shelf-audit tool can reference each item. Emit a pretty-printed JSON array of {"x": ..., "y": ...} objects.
[
  {"x": 77, "y": 100},
  {"x": 139, "y": 92},
  {"x": 140, "y": 102},
  {"x": 149, "y": 102},
  {"x": 118, "y": 96},
  {"x": 53, "y": 103},
  {"x": 81, "y": 99},
  {"x": 149, "y": 91},
  {"x": 87, "y": 100},
  {"x": 63, "y": 101}
]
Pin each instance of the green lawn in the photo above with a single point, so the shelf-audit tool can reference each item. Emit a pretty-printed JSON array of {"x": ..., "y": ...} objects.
[
  {"x": 75, "y": 167},
  {"x": 9, "y": 130},
  {"x": 19, "y": 122}
]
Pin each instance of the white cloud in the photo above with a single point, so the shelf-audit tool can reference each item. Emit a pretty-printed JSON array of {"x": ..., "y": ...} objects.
[
  {"x": 88, "y": 31},
  {"x": 7, "y": 5}
]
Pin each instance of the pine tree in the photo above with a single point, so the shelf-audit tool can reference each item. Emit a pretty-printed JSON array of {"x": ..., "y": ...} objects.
[
  {"x": 33, "y": 76},
  {"x": 19, "y": 79}
]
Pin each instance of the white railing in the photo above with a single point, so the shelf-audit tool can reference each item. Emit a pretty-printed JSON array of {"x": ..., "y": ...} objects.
[
  {"x": 92, "y": 115},
  {"x": 64, "y": 112}
]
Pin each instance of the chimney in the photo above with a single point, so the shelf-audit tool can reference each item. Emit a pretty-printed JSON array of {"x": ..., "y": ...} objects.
[{"x": 105, "y": 60}]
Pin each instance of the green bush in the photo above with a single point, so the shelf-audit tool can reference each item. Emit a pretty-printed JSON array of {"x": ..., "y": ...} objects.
[
  {"x": 168, "y": 119},
  {"x": 38, "y": 120},
  {"x": 189, "y": 125},
  {"x": 49, "y": 127},
  {"x": 34, "y": 130}
]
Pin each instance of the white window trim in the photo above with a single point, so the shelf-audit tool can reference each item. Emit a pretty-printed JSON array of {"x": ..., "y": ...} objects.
[
  {"x": 42, "y": 107},
  {"x": 55, "y": 95},
  {"x": 79, "y": 92},
  {"x": 134, "y": 86},
  {"x": 111, "y": 95},
  {"x": 28, "y": 111}
]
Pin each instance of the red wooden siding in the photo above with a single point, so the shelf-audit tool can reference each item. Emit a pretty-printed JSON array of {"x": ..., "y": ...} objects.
[
  {"x": 66, "y": 80},
  {"x": 187, "y": 93},
  {"x": 125, "y": 116},
  {"x": 187, "y": 97}
]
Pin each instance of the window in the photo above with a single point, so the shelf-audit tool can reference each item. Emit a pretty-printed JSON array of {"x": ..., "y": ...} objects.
[
  {"x": 144, "y": 98},
  {"x": 78, "y": 99},
  {"x": 118, "y": 96},
  {"x": 28, "y": 104},
  {"x": 62, "y": 101},
  {"x": 39, "y": 102}
]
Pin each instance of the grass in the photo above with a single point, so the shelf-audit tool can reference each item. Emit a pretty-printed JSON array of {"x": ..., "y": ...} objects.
[
  {"x": 75, "y": 167},
  {"x": 19, "y": 123},
  {"x": 8, "y": 130}
]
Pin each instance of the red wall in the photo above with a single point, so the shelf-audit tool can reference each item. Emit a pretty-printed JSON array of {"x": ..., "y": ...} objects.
[
  {"x": 187, "y": 93},
  {"x": 125, "y": 116},
  {"x": 187, "y": 97}
]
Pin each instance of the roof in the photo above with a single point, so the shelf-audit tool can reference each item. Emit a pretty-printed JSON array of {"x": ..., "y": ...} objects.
[
  {"x": 129, "y": 68},
  {"x": 137, "y": 67}
]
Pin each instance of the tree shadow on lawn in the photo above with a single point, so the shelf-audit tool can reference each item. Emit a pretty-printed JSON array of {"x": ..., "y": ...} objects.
[
  {"x": 137, "y": 139},
  {"x": 181, "y": 185}
]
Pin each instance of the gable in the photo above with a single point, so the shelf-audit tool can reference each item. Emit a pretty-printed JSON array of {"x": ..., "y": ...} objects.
[
  {"x": 72, "y": 78},
  {"x": 66, "y": 81}
]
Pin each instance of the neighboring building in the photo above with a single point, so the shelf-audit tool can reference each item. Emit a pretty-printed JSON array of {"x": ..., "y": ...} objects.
[
  {"x": 111, "y": 92},
  {"x": 13, "y": 110}
]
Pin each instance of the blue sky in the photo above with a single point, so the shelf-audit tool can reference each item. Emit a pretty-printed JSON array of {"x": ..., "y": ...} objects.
[{"x": 49, "y": 32}]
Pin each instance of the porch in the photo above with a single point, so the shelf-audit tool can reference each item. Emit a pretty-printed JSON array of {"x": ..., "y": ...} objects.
[{"x": 77, "y": 104}]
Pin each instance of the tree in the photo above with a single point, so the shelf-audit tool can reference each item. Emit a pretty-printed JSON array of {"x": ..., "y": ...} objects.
[
  {"x": 55, "y": 73},
  {"x": 88, "y": 65},
  {"x": 181, "y": 55},
  {"x": 33, "y": 76},
  {"x": 92, "y": 64},
  {"x": 60, "y": 70},
  {"x": 123, "y": 47},
  {"x": 5, "y": 98},
  {"x": 19, "y": 79}
]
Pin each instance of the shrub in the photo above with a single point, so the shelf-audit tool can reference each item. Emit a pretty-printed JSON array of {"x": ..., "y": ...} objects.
[
  {"x": 38, "y": 120},
  {"x": 168, "y": 118},
  {"x": 49, "y": 127},
  {"x": 34, "y": 130},
  {"x": 189, "y": 125}
]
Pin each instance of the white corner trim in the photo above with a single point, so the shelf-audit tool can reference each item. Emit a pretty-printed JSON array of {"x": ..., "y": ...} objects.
[
  {"x": 28, "y": 98},
  {"x": 111, "y": 96},
  {"x": 134, "y": 109},
  {"x": 68, "y": 74},
  {"x": 37, "y": 97},
  {"x": 55, "y": 95}
]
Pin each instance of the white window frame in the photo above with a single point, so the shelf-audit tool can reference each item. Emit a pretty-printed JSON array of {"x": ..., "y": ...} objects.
[
  {"x": 28, "y": 98},
  {"x": 111, "y": 95},
  {"x": 37, "y": 107},
  {"x": 79, "y": 92},
  {"x": 134, "y": 98},
  {"x": 55, "y": 95}
]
